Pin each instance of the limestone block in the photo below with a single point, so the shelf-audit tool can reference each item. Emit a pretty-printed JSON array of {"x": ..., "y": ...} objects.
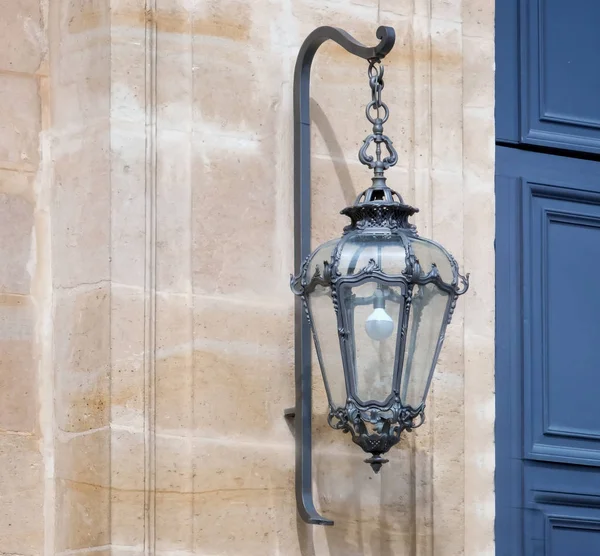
[
  {"x": 357, "y": 18},
  {"x": 84, "y": 458},
  {"x": 16, "y": 226},
  {"x": 422, "y": 91},
  {"x": 21, "y": 36},
  {"x": 478, "y": 18},
  {"x": 175, "y": 376},
  {"x": 82, "y": 516},
  {"x": 336, "y": 183},
  {"x": 237, "y": 521},
  {"x": 127, "y": 457},
  {"x": 127, "y": 356},
  {"x": 446, "y": 60},
  {"x": 478, "y": 67},
  {"x": 374, "y": 514},
  {"x": 447, "y": 10},
  {"x": 128, "y": 62},
  {"x": 17, "y": 183},
  {"x": 82, "y": 359},
  {"x": 128, "y": 480},
  {"x": 127, "y": 513},
  {"x": 247, "y": 385},
  {"x": 403, "y": 7},
  {"x": 174, "y": 521},
  {"x": 174, "y": 68},
  {"x": 18, "y": 381},
  {"x": 174, "y": 196},
  {"x": 235, "y": 21},
  {"x": 174, "y": 363},
  {"x": 222, "y": 465},
  {"x": 128, "y": 204},
  {"x": 80, "y": 17},
  {"x": 338, "y": 122},
  {"x": 259, "y": 323},
  {"x": 19, "y": 121},
  {"x": 174, "y": 464},
  {"x": 126, "y": 551},
  {"x": 81, "y": 68},
  {"x": 21, "y": 495},
  {"x": 240, "y": 99},
  {"x": 81, "y": 207},
  {"x": 232, "y": 250}
]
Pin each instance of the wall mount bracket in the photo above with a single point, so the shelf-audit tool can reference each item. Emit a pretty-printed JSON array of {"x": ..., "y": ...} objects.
[{"x": 301, "y": 414}]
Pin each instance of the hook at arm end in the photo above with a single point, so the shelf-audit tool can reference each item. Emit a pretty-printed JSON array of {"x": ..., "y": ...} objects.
[{"x": 387, "y": 38}]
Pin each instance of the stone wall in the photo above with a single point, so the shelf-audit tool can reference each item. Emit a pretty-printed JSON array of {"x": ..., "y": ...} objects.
[
  {"x": 147, "y": 336},
  {"x": 23, "y": 74}
]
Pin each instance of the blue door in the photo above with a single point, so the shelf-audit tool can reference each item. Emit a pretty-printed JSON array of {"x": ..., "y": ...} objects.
[{"x": 548, "y": 278}]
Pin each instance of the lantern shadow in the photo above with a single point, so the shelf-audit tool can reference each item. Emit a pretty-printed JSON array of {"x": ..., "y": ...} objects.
[
  {"x": 375, "y": 515},
  {"x": 336, "y": 153}
]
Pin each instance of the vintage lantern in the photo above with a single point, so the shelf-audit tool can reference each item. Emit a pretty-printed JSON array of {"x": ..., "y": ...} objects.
[{"x": 378, "y": 299}]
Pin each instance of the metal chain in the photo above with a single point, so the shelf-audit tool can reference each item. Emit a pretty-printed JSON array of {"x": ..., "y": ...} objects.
[
  {"x": 377, "y": 113},
  {"x": 376, "y": 83},
  {"x": 375, "y": 73}
]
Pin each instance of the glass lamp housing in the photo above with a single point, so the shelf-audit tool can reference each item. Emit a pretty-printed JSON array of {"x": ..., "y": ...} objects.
[{"x": 378, "y": 301}]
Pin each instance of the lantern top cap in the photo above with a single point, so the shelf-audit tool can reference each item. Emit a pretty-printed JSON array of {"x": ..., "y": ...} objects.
[{"x": 379, "y": 207}]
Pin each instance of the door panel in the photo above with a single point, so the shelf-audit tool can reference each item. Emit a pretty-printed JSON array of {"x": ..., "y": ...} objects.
[
  {"x": 563, "y": 510},
  {"x": 561, "y": 263},
  {"x": 548, "y": 80},
  {"x": 547, "y": 370}
]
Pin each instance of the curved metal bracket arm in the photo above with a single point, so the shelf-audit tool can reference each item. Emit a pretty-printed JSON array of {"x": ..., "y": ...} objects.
[{"x": 302, "y": 411}]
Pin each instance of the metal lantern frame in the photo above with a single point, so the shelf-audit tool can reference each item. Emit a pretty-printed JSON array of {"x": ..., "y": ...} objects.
[{"x": 379, "y": 213}]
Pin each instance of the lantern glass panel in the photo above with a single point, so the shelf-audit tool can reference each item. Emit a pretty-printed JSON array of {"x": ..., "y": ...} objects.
[
  {"x": 376, "y": 311},
  {"x": 325, "y": 328},
  {"x": 429, "y": 253},
  {"x": 321, "y": 256},
  {"x": 388, "y": 253},
  {"x": 327, "y": 344},
  {"x": 427, "y": 321}
]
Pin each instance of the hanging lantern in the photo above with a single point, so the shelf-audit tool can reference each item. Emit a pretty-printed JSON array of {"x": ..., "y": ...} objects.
[{"x": 378, "y": 300}]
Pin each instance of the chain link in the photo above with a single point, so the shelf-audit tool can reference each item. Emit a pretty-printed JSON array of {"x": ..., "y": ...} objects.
[
  {"x": 375, "y": 73},
  {"x": 377, "y": 113}
]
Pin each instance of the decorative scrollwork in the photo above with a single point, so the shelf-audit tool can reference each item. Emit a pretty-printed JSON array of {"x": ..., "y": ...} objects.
[
  {"x": 376, "y": 429},
  {"x": 464, "y": 281},
  {"x": 390, "y": 216},
  {"x": 369, "y": 160},
  {"x": 301, "y": 286},
  {"x": 298, "y": 282}
]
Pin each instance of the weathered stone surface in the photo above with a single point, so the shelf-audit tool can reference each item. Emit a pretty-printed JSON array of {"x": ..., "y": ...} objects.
[
  {"x": 82, "y": 359},
  {"x": 19, "y": 121},
  {"x": 82, "y": 515},
  {"x": 81, "y": 207},
  {"x": 18, "y": 380},
  {"x": 22, "y": 35},
  {"x": 16, "y": 227},
  {"x": 21, "y": 495},
  {"x": 84, "y": 458}
]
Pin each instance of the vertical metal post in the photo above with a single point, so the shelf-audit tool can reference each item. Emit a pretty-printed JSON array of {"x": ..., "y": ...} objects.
[{"x": 302, "y": 224}]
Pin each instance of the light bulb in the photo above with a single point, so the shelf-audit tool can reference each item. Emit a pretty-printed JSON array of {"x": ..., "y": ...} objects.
[{"x": 379, "y": 325}]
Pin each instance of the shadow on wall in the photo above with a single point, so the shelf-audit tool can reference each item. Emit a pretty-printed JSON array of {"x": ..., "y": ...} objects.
[
  {"x": 336, "y": 153},
  {"x": 375, "y": 515}
]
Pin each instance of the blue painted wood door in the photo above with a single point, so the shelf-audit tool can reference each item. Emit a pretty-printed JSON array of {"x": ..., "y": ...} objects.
[
  {"x": 548, "y": 278},
  {"x": 547, "y": 364}
]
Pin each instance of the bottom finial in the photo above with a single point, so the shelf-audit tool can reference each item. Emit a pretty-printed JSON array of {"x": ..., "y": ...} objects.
[{"x": 376, "y": 461}]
